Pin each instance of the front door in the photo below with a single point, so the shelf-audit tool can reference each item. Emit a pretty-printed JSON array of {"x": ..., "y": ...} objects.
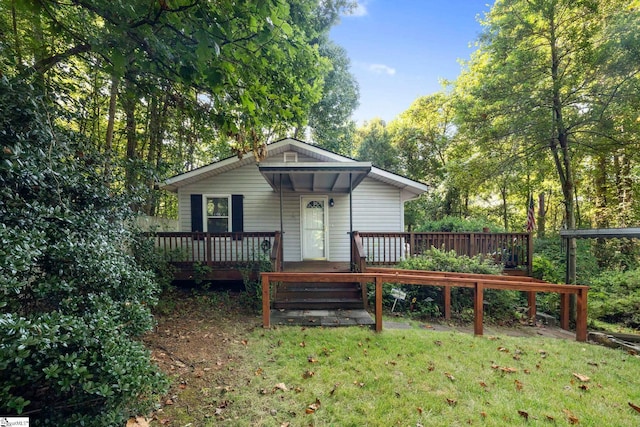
[{"x": 313, "y": 212}]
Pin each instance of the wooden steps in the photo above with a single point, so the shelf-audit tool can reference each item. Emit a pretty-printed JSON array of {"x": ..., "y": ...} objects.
[{"x": 318, "y": 296}]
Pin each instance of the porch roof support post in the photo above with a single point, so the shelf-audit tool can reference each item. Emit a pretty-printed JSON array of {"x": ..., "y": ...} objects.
[
  {"x": 281, "y": 229},
  {"x": 351, "y": 217}
]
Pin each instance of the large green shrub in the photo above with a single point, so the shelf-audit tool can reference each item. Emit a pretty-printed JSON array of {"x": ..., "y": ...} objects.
[
  {"x": 73, "y": 298},
  {"x": 614, "y": 297},
  {"x": 500, "y": 304}
]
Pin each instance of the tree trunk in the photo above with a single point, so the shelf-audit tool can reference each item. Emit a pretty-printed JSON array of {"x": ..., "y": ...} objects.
[
  {"x": 108, "y": 143},
  {"x": 16, "y": 36},
  {"x": 542, "y": 216},
  {"x": 559, "y": 145},
  {"x": 505, "y": 217},
  {"x": 601, "y": 213},
  {"x": 129, "y": 107}
]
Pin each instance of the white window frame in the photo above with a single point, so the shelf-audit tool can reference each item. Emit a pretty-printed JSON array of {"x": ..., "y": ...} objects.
[{"x": 205, "y": 215}]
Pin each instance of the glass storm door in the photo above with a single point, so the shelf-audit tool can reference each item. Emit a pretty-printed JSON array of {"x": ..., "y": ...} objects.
[{"x": 314, "y": 230}]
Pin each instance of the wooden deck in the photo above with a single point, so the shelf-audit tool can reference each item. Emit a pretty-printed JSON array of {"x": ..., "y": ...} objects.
[
  {"x": 477, "y": 282},
  {"x": 226, "y": 256}
]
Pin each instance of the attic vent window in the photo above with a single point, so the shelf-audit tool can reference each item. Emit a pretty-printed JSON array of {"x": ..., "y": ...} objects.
[{"x": 290, "y": 157}]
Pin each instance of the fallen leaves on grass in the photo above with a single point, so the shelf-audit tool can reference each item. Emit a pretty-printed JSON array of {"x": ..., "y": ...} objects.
[
  {"x": 518, "y": 385},
  {"x": 524, "y": 414},
  {"x": 581, "y": 377},
  {"x": 280, "y": 386},
  {"x": 573, "y": 420},
  {"x": 137, "y": 422},
  {"x": 312, "y": 408},
  {"x": 448, "y": 375},
  {"x": 308, "y": 374},
  {"x": 505, "y": 369},
  {"x": 635, "y": 407},
  {"x": 452, "y": 402}
]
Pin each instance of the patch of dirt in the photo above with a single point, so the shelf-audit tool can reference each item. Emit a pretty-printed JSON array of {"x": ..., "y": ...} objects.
[{"x": 198, "y": 343}]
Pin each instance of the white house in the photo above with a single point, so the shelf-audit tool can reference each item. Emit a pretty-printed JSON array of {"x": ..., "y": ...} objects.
[{"x": 314, "y": 197}]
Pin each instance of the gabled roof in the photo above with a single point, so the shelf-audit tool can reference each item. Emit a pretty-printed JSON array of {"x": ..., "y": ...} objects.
[{"x": 284, "y": 145}]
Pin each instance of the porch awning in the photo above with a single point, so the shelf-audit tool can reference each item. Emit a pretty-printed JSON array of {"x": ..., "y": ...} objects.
[{"x": 312, "y": 177}]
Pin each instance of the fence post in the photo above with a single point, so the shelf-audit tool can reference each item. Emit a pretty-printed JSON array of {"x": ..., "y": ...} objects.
[
  {"x": 446, "y": 290},
  {"x": 378, "y": 303},
  {"x": 531, "y": 302},
  {"x": 478, "y": 308},
  {"x": 266, "y": 304},
  {"x": 412, "y": 244},
  {"x": 472, "y": 245},
  {"x": 208, "y": 249},
  {"x": 581, "y": 315}
]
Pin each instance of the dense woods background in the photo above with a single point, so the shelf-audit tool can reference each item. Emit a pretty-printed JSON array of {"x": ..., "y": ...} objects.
[
  {"x": 547, "y": 106},
  {"x": 114, "y": 96}
]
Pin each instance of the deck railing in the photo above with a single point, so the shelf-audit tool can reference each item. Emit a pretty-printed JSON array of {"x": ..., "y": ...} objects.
[
  {"x": 513, "y": 250},
  {"x": 477, "y": 282},
  {"x": 358, "y": 256},
  {"x": 219, "y": 249}
]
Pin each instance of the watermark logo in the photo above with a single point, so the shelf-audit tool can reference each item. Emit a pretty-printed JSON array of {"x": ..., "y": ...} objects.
[{"x": 14, "y": 421}]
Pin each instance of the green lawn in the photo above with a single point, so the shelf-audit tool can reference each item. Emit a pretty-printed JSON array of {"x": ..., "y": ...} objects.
[
  {"x": 244, "y": 375},
  {"x": 355, "y": 377}
]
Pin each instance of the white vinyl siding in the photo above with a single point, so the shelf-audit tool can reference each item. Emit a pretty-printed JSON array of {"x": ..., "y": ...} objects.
[{"x": 376, "y": 207}]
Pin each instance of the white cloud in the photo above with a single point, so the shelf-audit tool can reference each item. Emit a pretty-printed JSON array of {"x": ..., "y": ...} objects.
[
  {"x": 381, "y": 69},
  {"x": 360, "y": 9}
]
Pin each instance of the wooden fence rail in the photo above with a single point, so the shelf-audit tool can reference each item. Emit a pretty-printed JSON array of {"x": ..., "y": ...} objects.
[
  {"x": 219, "y": 249},
  {"x": 477, "y": 282},
  {"x": 513, "y": 250}
]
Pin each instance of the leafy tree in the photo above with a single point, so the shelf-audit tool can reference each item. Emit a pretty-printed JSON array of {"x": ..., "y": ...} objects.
[
  {"x": 423, "y": 134},
  {"x": 330, "y": 118},
  {"x": 374, "y": 144},
  {"x": 162, "y": 87},
  {"x": 540, "y": 79},
  {"x": 74, "y": 299}
]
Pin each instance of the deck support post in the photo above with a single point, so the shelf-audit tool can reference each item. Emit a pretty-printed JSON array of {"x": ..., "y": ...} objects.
[
  {"x": 266, "y": 304},
  {"x": 478, "y": 308},
  {"x": 446, "y": 292},
  {"x": 378, "y": 303},
  {"x": 581, "y": 315},
  {"x": 531, "y": 302}
]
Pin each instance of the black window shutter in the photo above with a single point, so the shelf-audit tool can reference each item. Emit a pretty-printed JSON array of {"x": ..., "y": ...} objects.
[
  {"x": 196, "y": 213},
  {"x": 237, "y": 214}
]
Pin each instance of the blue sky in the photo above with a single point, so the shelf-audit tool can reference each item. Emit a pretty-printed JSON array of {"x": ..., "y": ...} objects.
[{"x": 400, "y": 49}]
